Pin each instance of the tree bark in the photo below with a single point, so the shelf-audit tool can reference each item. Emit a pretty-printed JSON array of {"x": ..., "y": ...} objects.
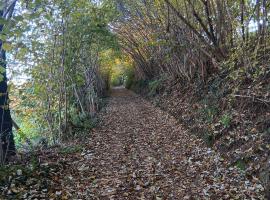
[{"x": 7, "y": 145}]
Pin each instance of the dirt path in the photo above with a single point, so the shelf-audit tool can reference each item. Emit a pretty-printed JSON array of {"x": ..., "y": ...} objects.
[{"x": 140, "y": 152}]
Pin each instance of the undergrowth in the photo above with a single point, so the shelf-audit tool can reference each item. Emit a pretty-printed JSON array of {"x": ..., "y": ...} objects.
[{"x": 229, "y": 112}]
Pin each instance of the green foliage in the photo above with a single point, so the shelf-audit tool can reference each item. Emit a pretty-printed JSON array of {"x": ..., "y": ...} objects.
[
  {"x": 34, "y": 162},
  {"x": 24, "y": 104},
  {"x": 71, "y": 149},
  {"x": 82, "y": 120},
  {"x": 130, "y": 78},
  {"x": 140, "y": 86},
  {"x": 208, "y": 113},
  {"x": 209, "y": 139},
  {"x": 226, "y": 120},
  {"x": 7, "y": 46},
  {"x": 2, "y": 70},
  {"x": 115, "y": 66},
  {"x": 240, "y": 164},
  {"x": 154, "y": 86},
  {"x": 6, "y": 171},
  {"x": 20, "y": 136},
  {"x": 117, "y": 81},
  {"x": 65, "y": 42}
]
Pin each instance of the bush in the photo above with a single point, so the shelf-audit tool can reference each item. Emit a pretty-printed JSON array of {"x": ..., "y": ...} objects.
[
  {"x": 129, "y": 78},
  {"x": 117, "y": 81},
  {"x": 154, "y": 86},
  {"x": 81, "y": 120}
]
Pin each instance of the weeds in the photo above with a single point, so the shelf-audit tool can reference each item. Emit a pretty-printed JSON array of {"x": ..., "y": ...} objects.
[
  {"x": 240, "y": 164},
  {"x": 154, "y": 86},
  {"x": 208, "y": 113},
  {"x": 226, "y": 120},
  {"x": 209, "y": 139},
  {"x": 71, "y": 149}
]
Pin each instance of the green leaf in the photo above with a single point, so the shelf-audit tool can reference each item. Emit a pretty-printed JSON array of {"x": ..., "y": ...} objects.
[
  {"x": 22, "y": 52},
  {"x": 2, "y": 69},
  {"x": 9, "y": 88},
  {"x": 1, "y": 77},
  {"x": 48, "y": 17},
  {"x": 19, "y": 18},
  {"x": 3, "y": 37},
  {"x": 7, "y": 46},
  {"x": 3, "y": 21}
]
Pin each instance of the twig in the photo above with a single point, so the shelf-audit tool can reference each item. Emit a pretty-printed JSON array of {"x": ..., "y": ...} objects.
[{"x": 254, "y": 99}]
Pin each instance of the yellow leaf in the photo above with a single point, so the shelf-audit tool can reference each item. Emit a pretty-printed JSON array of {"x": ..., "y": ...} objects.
[{"x": 7, "y": 46}]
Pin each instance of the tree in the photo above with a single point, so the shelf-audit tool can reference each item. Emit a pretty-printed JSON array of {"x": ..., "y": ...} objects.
[
  {"x": 63, "y": 48},
  {"x": 7, "y": 146}
]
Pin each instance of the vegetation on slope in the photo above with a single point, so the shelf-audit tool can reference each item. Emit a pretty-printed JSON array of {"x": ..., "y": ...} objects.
[{"x": 207, "y": 63}]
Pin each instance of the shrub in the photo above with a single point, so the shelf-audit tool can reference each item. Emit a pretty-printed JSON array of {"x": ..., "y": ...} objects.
[
  {"x": 129, "y": 78},
  {"x": 117, "y": 81},
  {"x": 154, "y": 86}
]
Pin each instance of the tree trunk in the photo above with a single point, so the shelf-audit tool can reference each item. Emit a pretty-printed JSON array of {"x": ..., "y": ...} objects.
[{"x": 7, "y": 146}]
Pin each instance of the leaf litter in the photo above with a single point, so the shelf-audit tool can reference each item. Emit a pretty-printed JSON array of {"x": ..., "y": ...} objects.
[{"x": 137, "y": 152}]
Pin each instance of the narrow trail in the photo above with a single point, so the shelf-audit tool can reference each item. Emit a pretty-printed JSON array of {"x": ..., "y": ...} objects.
[{"x": 141, "y": 152}]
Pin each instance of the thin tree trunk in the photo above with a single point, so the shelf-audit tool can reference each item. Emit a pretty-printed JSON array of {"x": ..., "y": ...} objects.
[
  {"x": 242, "y": 19},
  {"x": 7, "y": 145}
]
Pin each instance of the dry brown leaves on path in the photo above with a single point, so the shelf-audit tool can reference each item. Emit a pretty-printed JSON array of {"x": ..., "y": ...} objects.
[{"x": 141, "y": 152}]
